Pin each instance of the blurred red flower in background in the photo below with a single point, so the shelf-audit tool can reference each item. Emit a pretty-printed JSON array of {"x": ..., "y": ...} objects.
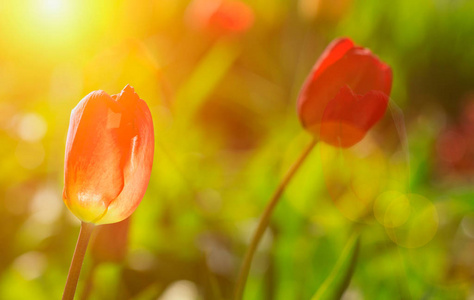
[
  {"x": 110, "y": 243},
  {"x": 220, "y": 17},
  {"x": 109, "y": 156},
  {"x": 455, "y": 144},
  {"x": 345, "y": 94}
]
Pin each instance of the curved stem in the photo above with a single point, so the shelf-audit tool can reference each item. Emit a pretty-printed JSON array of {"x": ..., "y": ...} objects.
[
  {"x": 265, "y": 219},
  {"x": 77, "y": 259}
]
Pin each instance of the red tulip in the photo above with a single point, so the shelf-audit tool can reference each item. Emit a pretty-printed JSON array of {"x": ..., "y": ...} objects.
[
  {"x": 346, "y": 93},
  {"x": 109, "y": 155},
  {"x": 221, "y": 16}
]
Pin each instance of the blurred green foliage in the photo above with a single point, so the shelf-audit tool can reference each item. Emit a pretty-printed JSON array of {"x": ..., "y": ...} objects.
[{"x": 226, "y": 131}]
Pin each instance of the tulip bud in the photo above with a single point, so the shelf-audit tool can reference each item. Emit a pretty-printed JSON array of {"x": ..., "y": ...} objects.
[
  {"x": 110, "y": 242},
  {"x": 220, "y": 17},
  {"x": 345, "y": 94},
  {"x": 109, "y": 156}
]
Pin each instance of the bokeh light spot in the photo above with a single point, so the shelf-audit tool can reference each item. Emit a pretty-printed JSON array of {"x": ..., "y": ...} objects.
[
  {"x": 30, "y": 265},
  {"x": 355, "y": 177},
  {"x": 46, "y": 206},
  {"x": 141, "y": 260},
  {"x": 53, "y": 11},
  {"x": 32, "y": 127},
  {"x": 182, "y": 290},
  {"x": 392, "y": 209},
  {"x": 421, "y": 225}
]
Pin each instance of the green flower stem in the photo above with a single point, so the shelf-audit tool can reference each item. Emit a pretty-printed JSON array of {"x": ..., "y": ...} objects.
[
  {"x": 77, "y": 259},
  {"x": 265, "y": 219}
]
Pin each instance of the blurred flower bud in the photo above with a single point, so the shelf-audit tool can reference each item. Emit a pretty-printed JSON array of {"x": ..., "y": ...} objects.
[
  {"x": 109, "y": 156},
  {"x": 110, "y": 242},
  {"x": 220, "y": 17},
  {"x": 345, "y": 94},
  {"x": 455, "y": 145}
]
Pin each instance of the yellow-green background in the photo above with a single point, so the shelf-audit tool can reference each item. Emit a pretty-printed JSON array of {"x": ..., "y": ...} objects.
[{"x": 226, "y": 131}]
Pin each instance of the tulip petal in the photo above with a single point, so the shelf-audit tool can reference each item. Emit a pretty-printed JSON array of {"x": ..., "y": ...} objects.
[
  {"x": 364, "y": 72},
  {"x": 348, "y": 117},
  {"x": 94, "y": 151},
  {"x": 333, "y": 52},
  {"x": 138, "y": 161}
]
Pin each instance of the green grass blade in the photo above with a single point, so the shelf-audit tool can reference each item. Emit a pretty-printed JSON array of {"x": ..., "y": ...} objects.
[{"x": 339, "y": 278}]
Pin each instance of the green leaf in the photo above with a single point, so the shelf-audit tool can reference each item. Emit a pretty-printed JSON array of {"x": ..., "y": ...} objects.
[{"x": 339, "y": 278}]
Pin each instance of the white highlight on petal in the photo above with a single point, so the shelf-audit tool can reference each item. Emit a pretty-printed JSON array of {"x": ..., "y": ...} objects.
[
  {"x": 133, "y": 151},
  {"x": 86, "y": 197},
  {"x": 113, "y": 119}
]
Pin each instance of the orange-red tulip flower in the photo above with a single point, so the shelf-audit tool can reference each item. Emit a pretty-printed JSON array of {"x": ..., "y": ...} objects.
[
  {"x": 221, "y": 17},
  {"x": 346, "y": 93},
  {"x": 109, "y": 155}
]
